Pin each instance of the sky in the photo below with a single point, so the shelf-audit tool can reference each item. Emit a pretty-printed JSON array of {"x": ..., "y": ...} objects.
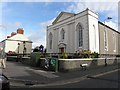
[{"x": 35, "y": 15}]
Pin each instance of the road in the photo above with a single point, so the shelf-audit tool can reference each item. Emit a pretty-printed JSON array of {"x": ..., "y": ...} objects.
[{"x": 110, "y": 80}]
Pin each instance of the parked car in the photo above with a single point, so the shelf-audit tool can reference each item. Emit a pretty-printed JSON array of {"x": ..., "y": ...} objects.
[{"x": 4, "y": 83}]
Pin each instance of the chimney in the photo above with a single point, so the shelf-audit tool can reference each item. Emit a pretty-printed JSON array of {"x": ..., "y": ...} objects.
[
  {"x": 8, "y": 36},
  {"x": 13, "y": 33},
  {"x": 20, "y": 31}
]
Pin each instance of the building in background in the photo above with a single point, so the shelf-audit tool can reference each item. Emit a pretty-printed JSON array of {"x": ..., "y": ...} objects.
[
  {"x": 113, "y": 39},
  {"x": 17, "y": 42},
  {"x": 71, "y": 32}
]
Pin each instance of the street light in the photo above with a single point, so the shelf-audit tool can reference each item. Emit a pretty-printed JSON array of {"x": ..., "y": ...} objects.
[{"x": 105, "y": 40}]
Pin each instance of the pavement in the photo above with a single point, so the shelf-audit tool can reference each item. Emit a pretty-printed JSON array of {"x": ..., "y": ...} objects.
[{"x": 21, "y": 75}]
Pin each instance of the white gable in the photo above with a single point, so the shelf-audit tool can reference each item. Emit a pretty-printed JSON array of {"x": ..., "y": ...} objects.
[
  {"x": 63, "y": 16},
  {"x": 20, "y": 37}
]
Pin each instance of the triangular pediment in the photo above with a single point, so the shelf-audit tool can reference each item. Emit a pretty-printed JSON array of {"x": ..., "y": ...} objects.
[{"x": 62, "y": 16}]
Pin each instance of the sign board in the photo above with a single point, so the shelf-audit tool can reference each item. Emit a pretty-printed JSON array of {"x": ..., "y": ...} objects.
[{"x": 53, "y": 61}]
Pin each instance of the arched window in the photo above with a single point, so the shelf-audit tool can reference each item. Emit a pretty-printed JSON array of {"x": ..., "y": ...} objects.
[
  {"x": 62, "y": 34},
  {"x": 94, "y": 35},
  {"x": 50, "y": 40},
  {"x": 114, "y": 42},
  {"x": 105, "y": 39},
  {"x": 79, "y": 35}
]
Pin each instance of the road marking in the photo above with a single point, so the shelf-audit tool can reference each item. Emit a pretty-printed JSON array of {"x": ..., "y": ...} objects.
[{"x": 106, "y": 73}]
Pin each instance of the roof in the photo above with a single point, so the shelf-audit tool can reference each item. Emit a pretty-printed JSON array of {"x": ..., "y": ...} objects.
[{"x": 19, "y": 37}]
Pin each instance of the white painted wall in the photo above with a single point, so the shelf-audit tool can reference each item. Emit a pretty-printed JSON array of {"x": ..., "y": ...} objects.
[
  {"x": 87, "y": 19},
  {"x": 83, "y": 22},
  {"x": 64, "y": 16},
  {"x": 93, "y": 36},
  {"x": 71, "y": 38},
  {"x": 13, "y": 46}
]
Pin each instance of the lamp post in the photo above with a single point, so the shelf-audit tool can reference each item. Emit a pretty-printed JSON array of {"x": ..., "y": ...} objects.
[{"x": 105, "y": 40}]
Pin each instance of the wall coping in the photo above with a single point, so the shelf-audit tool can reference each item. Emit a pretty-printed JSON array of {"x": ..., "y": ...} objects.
[{"x": 84, "y": 59}]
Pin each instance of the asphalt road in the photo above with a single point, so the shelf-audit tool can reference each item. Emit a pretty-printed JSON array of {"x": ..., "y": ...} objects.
[
  {"x": 104, "y": 80},
  {"x": 110, "y": 80}
]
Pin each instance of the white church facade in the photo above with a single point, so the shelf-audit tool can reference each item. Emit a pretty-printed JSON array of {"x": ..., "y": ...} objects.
[{"x": 71, "y": 32}]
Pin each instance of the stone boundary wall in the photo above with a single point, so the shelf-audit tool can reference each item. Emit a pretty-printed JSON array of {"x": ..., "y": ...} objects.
[
  {"x": 67, "y": 64},
  {"x": 72, "y": 64}
]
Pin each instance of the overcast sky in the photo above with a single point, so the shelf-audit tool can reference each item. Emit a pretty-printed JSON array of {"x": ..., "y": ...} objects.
[{"x": 34, "y": 15}]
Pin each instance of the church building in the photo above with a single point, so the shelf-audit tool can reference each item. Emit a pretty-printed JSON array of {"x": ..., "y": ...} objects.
[{"x": 71, "y": 32}]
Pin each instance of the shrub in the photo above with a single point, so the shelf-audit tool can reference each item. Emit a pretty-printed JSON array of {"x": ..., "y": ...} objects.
[
  {"x": 86, "y": 54},
  {"x": 64, "y": 56},
  {"x": 94, "y": 55}
]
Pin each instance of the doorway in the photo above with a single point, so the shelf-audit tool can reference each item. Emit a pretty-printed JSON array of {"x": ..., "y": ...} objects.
[{"x": 61, "y": 50}]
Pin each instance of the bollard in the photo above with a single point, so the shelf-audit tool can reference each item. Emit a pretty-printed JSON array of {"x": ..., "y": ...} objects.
[{"x": 105, "y": 62}]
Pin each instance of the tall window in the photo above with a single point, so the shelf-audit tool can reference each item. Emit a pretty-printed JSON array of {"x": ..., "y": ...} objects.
[
  {"x": 94, "y": 36},
  {"x": 114, "y": 42},
  {"x": 80, "y": 35},
  {"x": 62, "y": 34},
  {"x": 50, "y": 40},
  {"x": 106, "y": 39}
]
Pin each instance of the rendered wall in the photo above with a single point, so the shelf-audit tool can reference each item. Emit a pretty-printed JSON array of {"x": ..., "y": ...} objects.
[
  {"x": 13, "y": 46},
  {"x": 93, "y": 32},
  {"x": 73, "y": 64},
  {"x": 113, "y": 46},
  {"x": 69, "y": 26}
]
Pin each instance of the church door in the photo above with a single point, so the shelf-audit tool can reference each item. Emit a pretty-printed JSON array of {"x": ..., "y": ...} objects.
[{"x": 62, "y": 50}]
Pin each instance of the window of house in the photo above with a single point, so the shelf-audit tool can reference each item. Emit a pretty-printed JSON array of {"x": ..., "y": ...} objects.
[
  {"x": 50, "y": 40},
  {"x": 80, "y": 35}
]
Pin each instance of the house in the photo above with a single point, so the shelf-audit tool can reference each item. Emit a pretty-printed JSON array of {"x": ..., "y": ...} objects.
[
  {"x": 17, "y": 43},
  {"x": 71, "y": 32}
]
